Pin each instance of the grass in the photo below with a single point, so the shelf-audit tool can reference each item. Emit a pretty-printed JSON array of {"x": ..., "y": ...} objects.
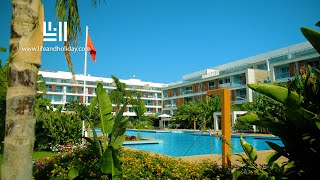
[{"x": 36, "y": 155}]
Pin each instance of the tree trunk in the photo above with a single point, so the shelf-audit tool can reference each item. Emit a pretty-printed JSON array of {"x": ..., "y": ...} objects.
[
  {"x": 26, "y": 32},
  {"x": 194, "y": 124}
]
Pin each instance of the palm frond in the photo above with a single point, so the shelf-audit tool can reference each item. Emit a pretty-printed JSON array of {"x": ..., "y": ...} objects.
[
  {"x": 2, "y": 49},
  {"x": 67, "y": 11}
]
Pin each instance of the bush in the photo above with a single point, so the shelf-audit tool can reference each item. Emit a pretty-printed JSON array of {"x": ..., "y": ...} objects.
[
  {"x": 135, "y": 165},
  {"x": 57, "y": 128}
]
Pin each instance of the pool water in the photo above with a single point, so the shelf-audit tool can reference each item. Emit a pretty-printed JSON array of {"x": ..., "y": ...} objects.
[{"x": 179, "y": 144}]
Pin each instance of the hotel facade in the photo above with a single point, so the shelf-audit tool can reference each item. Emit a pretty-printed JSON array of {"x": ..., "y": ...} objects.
[
  {"x": 61, "y": 89},
  {"x": 275, "y": 66}
]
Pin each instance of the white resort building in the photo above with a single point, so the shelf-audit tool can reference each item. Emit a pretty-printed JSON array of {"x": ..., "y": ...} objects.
[
  {"x": 275, "y": 66},
  {"x": 61, "y": 89}
]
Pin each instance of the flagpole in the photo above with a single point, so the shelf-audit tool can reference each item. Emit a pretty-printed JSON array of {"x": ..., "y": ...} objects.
[
  {"x": 85, "y": 67},
  {"x": 84, "y": 81}
]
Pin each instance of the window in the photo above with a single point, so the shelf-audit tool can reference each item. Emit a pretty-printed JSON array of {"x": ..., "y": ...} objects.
[
  {"x": 211, "y": 85},
  {"x": 69, "y": 89},
  {"x": 65, "y": 81},
  {"x": 91, "y": 83},
  {"x": 90, "y": 98},
  {"x": 71, "y": 98},
  {"x": 165, "y": 93},
  {"x": 131, "y": 109},
  {"x": 48, "y": 96},
  {"x": 151, "y": 95},
  {"x": 80, "y": 82},
  {"x": 49, "y": 88},
  {"x": 59, "y": 89},
  {"x": 144, "y": 94},
  {"x": 79, "y": 90},
  {"x": 57, "y": 98},
  {"x": 262, "y": 66},
  {"x": 241, "y": 94},
  {"x": 148, "y": 102}
]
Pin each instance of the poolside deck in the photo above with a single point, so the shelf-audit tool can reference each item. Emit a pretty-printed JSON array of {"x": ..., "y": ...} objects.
[{"x": 234, "y": 158}]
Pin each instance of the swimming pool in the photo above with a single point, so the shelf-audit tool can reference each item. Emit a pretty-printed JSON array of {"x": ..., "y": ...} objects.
[{"x": 179, "y": 144}]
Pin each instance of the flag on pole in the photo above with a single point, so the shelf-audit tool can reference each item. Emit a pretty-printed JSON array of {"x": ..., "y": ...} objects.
[{"x": 92, "y": 49}]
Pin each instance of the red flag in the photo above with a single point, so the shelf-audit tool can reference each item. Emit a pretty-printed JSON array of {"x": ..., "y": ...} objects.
[{"x": 92, "y": 49}]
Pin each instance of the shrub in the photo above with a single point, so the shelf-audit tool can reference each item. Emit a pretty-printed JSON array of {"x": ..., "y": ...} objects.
[
  {"x": 57, "y": 127},
  {"x": 135, "y": 165}
]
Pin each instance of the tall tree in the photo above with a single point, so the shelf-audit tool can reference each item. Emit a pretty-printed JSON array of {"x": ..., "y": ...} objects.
[
  {"x": 189, "y": 112},
  {"x": 27, "y": 31},
  {"x": 207, "y": 108},
  {"x": 3, "y": 91},
  {"x": 140, "y": 109}
]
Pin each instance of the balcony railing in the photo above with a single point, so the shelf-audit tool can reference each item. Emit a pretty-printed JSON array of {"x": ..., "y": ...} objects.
[
  {"x": 224, "y": 85},
  {"x": 234, "y": 84},
  {"x": 282, "y": 75}
]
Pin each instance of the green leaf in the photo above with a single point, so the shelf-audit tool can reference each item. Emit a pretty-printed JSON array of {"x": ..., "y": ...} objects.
[
  {"x": 249, "y": 150},
  {"x": 236, "y": 174},
  {"x": 73, "y": 173},
  {"x": 280, "y": 150},
  {"x": 105, "y": 109},
  {"x": 312, "y": 36},
  {"x": 92, "y": 105},
  {"x": 118, "y": 141},
  {"x": 271, "y": 158},
  {"x": 317, "y": 74},
  {"x": 278, "y": 93},
  {"x": 96, "y": 145},
  {"x": 248, "y": 118},
  {"x": 116, "y": 160},
  {"x": 106, "y": 162}
]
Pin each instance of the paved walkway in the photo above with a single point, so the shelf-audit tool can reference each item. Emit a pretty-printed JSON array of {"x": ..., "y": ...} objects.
[{"x": 234, "y": 158}]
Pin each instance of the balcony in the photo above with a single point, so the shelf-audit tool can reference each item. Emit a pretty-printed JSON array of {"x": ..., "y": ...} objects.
[
  {"x": 282, "y": 75},
  {"x": 237, "y": 83},
  {"x": 225, "y": 85}
]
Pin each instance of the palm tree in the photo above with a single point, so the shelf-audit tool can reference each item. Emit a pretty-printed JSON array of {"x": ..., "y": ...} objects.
[
  {"x": 26, "y": 31},
  {"x": 3, "y": 91},
  {"x": 140, "y": 109},
  {"x": 207, "y": 108}
]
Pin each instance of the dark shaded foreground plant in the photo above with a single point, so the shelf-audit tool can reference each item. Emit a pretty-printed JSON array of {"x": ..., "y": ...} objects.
[
  {"x": 299, "y": 125},
  {"x": 252, "y": 170},
  {"x": 135, "y": 165}
]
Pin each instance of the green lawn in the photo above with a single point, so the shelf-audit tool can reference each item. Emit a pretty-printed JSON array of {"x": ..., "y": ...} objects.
[{"x": 36, "y": 155}]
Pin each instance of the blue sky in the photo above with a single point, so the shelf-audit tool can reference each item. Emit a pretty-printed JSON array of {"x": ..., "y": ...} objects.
[{"x": 161, "y": 40}]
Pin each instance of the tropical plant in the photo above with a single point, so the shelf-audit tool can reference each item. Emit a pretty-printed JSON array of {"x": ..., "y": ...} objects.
[
  {"x": 252, "y": 170},
  {"x": 140, "y": 108},
  {"x": 27, "y": 31},
  {"x": 188, "y": 114},
  {"x": 136, "y": 165},
  {"x": 299, "y": 126},
  {"x": 263, "y": 107},
  {"x": 113, "y": 133},
  {"x": 83, "y": 111},
  {"x": 207, "y": 108},
  {"x": 121, "y": 95}
]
